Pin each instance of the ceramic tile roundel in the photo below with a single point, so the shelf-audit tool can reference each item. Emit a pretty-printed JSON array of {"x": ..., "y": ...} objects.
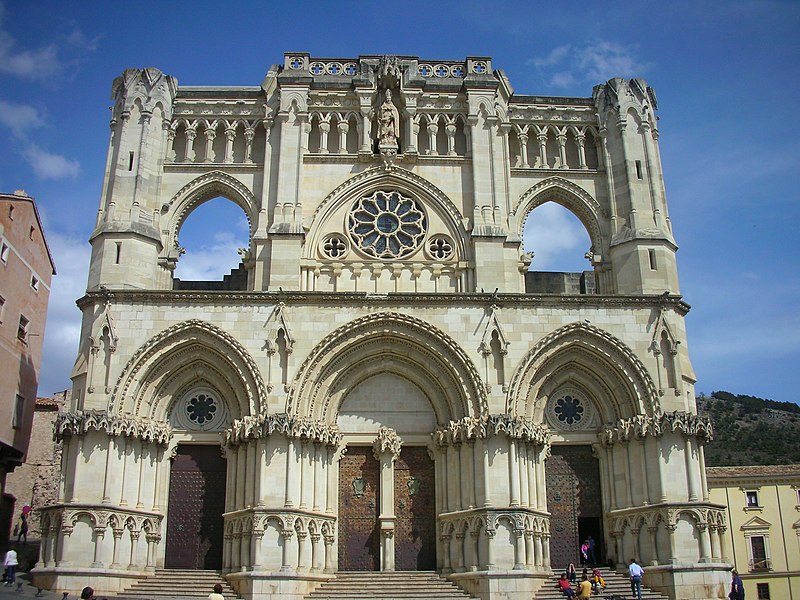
[{"x": 386, "y": 224}]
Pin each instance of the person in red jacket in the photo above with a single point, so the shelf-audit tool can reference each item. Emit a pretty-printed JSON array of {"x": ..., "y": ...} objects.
[{"x": 563, "y": 585}]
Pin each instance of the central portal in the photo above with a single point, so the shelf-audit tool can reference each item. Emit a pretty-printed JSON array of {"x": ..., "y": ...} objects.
[{"x": 414, "y": 509}]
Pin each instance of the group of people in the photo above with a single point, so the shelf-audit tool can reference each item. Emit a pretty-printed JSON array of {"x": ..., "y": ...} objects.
[{"x": 595, "y": 583}]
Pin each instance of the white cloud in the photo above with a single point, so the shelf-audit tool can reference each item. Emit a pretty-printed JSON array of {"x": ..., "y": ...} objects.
[
  {"x": 29, "y": 64},
  {"x": 568, "y": 66},
  {"x": 557, "y": 239},
  {"x": 212, "y": 261},
  {"x": 47, "y": 165},
  {"x": 19, "y": 118},
  {"x": 63, "y": 317}
]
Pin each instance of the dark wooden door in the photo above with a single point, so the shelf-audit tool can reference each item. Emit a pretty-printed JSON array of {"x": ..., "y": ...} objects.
[
  {"x": 415, "y": 508},
  {"x": 359, "y": 530},
  {"x": 196, "y": 504},
  {"x": 574, "y": 502}
]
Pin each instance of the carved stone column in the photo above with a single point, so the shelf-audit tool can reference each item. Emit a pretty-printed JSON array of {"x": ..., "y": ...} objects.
[{"x": 386, "y": 449}]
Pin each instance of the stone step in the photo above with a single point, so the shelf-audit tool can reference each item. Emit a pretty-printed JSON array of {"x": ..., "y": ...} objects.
[
  {"x": 396, "y": 585},
  {"x": 177, "y": 584},
  {"x": 616, "y": 585}
]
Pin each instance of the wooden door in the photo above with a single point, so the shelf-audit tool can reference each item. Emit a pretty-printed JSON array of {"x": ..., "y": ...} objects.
[
  {"x": 574, "y": 502},
  {"x": 359, "y": 530},
  {"x": 196, "y": 504},
  {"x": 415, "y": 508}
]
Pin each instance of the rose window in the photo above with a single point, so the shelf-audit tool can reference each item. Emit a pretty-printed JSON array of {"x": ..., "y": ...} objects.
[
  {"x": 568, "y": 410},
  {"x": 387, "y": 225},
  {"x": 201, "y": 408}
]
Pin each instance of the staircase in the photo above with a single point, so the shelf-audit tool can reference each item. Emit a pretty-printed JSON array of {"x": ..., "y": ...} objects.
[
  {"x": 176, "y": 584},
  {"x": 397, "y": 585},
  {"x": 616, "y": 585}
]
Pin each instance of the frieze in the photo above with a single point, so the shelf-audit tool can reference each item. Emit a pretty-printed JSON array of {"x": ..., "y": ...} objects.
[
  {"x": 640, "y": 426},
  {"x": 255, "y": 522},
  {"x": 472, "y": 428},
  {"x": 262, "y": 426},
  {"x": 704, "y": 515},
  {"x": 63, "y": 517},
  {"x": 528, "y": 521},
  {"x": 80, "y": 422},
  {"x": 180, "y": 298}
]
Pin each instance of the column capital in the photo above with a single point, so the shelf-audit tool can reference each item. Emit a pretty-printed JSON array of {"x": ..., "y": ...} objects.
[{"x": 387, "y": 442}]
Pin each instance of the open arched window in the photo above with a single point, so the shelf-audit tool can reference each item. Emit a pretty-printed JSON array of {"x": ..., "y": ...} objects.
[
  {"x": 214, "y": 241},
  {"x": 559, "y": 243}
]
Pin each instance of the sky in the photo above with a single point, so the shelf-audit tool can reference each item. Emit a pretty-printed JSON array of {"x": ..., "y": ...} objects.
[{"x": 725, "y": 73}]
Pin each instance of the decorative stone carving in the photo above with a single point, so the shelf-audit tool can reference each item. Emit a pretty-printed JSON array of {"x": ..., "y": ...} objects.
[
  {"x": 262, "y": 426},
  {"x": 387, "y": 441},
  {"x": 642, "y": 425},
  {"x": 388, "y": 129},
  {"x": 471, "y": 428},
  {"x": 80, "y": 422}
]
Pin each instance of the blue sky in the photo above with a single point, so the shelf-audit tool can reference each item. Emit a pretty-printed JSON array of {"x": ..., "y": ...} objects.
[{"x": 726, "y": 75}]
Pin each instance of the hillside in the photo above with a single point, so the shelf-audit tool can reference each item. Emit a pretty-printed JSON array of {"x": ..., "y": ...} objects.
[{"x": 750, "y": 430}]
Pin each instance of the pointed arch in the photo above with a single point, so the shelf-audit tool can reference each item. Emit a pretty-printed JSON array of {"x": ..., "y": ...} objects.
[
  {"x": 591, "y": 358},
  {"x": 199, "y": 190},
  {"x": 572, "y": 197},
  {"x": 388, "y": 342},
  {"x": 183, "y": 355}
]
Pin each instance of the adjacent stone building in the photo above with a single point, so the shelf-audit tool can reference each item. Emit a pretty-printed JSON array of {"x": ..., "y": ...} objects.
[
  {"x": 381, "y": 385},
  {"x": 764, "y": 532},
  {"x": 26, "y": 270}
]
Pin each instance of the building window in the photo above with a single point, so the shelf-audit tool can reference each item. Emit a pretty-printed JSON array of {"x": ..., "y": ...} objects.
[
  {"x": 4, "y": 253},
  {"x": 752, "y": 499},
  {"x": 762, "y": 591},
  {"x": 35, "y": 282},
  {"x": 2, "y": 308},
  {"x": 19, "y": 412},
  {"x": 11, "y": 212},
  {"x": 759, "y": 561},
  {"x": 22, "y": 331}
]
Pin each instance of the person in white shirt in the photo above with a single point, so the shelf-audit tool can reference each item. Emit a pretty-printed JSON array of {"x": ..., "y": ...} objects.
[
  {"x": 10, "y": 564},
  {"x": 217, "y": 593},
  {"x": 636, "y": 573}
]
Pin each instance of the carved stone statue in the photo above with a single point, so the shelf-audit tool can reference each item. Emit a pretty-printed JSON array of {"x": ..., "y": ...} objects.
[{"x": 388, "y": 122}]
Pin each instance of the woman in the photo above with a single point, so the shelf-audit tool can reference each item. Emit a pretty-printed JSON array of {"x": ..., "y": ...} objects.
[
  {"x": 10, "y": 564},
  {"x": 87, "y": 593},
  {"x": 563, "y": 585},
  {"x": 572, "y": 574},
  {"x": 217, "y": 593}
]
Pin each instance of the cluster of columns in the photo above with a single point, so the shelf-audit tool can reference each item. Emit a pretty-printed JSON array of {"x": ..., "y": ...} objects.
[
  {"x": 232, "y": 129},
  {"x": 562, "y": 136}
]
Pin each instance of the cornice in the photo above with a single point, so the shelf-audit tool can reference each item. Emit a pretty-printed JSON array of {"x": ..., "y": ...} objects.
[
  {"x": 526, "y": 301},
  {"x": 80, "y": 422},
  {"x": 472, "y": 428}
]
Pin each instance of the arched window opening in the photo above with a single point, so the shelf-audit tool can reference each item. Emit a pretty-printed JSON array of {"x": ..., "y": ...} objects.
[
  {"x": 211, "y": 238},
  {"x": 559, "y": 243}
]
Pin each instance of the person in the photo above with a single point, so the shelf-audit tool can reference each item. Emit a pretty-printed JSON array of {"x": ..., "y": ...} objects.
[
  {"x": 592, "y": 555},
  {"x": 87, "y": 593},
  {"x": 598, "y": 582},
  {"x": 563, "y": 585},
  {"x": 584, "y": 553},
  {"x": 11, "y": 563},
  {"x": 585, "y": 589},
  {"x": 737, "y": 587},
  {"x": 217, "y": 593},
  {"x": 572, "y": 574},
  {"x": 22, "y": 532},
  {"x": 636, "y": 573}
]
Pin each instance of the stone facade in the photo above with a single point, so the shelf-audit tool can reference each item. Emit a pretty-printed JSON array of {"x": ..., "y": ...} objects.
[
  {"x": 26, "y": 270},
  {"x": 384, "y": 306}
]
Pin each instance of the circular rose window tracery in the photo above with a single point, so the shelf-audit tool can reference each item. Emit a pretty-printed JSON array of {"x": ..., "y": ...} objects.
[
  {"x": 200, "y": 409},
  {"x": 386, "y": 224},
  {"x": 570, "y": 410}
]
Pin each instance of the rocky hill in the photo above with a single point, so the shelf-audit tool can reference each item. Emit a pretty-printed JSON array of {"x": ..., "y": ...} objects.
[{"x": 750, "y": 430}]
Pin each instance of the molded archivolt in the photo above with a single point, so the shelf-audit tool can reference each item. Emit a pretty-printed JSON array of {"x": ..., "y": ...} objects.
[
  {"x": 377, "y": 178},
  {"x": 182, "y": 356},
  {"x": 199, "y": 190},
  {"x": 572, "y": 197},
  {"x": 388, "y": 343},
  {"x": 591, "y": 359}
]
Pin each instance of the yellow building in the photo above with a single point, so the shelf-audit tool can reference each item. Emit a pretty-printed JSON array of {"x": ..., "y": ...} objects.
[{"x": 764, "y": 526}]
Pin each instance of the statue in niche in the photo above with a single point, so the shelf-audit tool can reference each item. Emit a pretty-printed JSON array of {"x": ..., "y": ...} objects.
[{"x": 388, "y": 122}]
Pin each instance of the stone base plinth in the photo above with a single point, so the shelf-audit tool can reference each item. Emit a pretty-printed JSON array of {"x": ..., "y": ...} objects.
[
  {"x": 501, "y": 585},
  {"x": 692, "y": 581},
  {"x": 266, "y": 585}
]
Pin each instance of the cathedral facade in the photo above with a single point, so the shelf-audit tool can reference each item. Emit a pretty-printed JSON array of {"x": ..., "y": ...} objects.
[{"x": 383, "y": 383}]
